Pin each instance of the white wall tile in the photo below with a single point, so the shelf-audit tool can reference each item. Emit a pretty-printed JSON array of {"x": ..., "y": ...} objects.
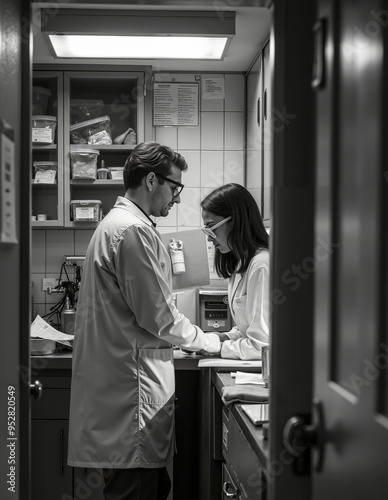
[
  {"x": 234, "y": 131},
  {"x": 253, "y": 160},
  {"x": 212, "y": 131},
  {"x": 38, "y": 254},
  {"x": 212, "y": 104},
  {"x": 192, "y": 177},
  {"x": 36, "y": 289},
  {"x": 212, "y": 168},
  {"x": 186, "y": 304},
  {"x": 82, "y": 238},
  {"x": 189, "y": 208},
  {"x": 168, "y": 136},
  {"x": 189, "y": 137},
  {"x": 234, "y": 167},
  {"x": 59, "y": 242},
  {"x": 234, "y": 92},
  {"x": 40, "y": 309}
]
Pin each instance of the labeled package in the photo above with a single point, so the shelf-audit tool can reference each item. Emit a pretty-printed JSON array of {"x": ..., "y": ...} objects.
[
  {"x": 45, "y": 172},
  {"x": 85, "y": 210},
  {"x": 94, "y": 132},
  {"x": 177, "y": 256},
  {"x": 85, "y": 109},
  {"x": 43, "y": 129},
  {"x": 116, "y": 173},
  {"x": 40, "y": 97},
  {"x": 84, "y": 164}
]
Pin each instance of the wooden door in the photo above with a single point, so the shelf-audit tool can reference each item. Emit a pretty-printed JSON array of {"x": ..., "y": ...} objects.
[{"x": 350, "y": 326}]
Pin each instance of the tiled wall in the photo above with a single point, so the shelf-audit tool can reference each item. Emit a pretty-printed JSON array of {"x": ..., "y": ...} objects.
[{"x": 214, "y": 152}]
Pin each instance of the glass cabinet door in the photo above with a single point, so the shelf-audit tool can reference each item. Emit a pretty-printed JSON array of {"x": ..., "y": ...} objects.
[
  {"x": 103, "y": 122},
  {"x": 47, "y": 149}
]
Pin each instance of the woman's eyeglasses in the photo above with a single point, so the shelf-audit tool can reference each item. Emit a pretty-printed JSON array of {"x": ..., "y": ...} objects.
[
  {"x": 209, "y": 231},
  {"x": 176, "y": 191}
]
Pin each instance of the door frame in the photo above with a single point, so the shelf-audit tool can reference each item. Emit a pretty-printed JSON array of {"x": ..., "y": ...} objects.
[{"x": 293, "y": 249}]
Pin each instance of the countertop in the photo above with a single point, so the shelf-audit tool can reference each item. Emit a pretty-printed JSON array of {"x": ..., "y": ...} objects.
[
  {"x": 253, "y": 433},
  {"x": 62, "y": 360}
]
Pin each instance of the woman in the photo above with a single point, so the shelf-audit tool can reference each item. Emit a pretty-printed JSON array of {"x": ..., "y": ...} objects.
[{"x": 232, "y": 221}]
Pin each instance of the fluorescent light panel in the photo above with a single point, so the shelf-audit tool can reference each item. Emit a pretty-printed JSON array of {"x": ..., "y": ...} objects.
[{"x": 138, "y": 47}]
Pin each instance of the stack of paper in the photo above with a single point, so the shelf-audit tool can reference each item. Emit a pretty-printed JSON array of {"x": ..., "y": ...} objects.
[{"x": 42, "y": 330}]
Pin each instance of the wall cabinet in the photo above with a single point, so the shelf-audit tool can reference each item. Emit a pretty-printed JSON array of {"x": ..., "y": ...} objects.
[
  {"x": 259, "y": 132},
  {"x": 78, "y": 96},
  {"x": 47, "y": 198}
]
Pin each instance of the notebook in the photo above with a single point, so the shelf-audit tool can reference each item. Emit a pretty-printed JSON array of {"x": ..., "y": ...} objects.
[{"x": 258, "y": 413}]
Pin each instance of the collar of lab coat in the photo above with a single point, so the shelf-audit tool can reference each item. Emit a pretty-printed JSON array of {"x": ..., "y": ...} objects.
[{"x": 126, "y": 204}]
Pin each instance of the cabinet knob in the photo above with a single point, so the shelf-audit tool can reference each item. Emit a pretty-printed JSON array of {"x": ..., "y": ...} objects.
[{"x": 36, "y": 389}]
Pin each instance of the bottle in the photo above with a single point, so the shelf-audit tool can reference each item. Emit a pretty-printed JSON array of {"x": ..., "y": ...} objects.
[
  {"x": 177, "y": 256},
  {"x": 68, "y": 318}
]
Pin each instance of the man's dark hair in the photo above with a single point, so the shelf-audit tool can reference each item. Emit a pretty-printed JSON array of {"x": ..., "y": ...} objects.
[
  {"x": 150, "y": 157},
  {"x": 247, "y": 233}
]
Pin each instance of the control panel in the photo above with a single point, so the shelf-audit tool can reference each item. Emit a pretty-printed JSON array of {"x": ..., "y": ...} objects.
[{"x": 213, "y": 313}]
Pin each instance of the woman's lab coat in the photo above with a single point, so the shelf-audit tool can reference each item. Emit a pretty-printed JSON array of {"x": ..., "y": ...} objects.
[
  {"x": 122, "y": 393},
  {"x": 249, "y": 304}
]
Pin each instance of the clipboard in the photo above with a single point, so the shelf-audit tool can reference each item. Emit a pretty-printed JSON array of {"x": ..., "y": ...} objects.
[{"x": 195, "y": 255}]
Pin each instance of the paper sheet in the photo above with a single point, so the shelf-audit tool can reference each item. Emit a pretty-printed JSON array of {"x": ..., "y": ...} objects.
[
  {"x": 249, "y": 378},
  {"x": 233, "y": 363},
  {"x": 42, "y": 330}
]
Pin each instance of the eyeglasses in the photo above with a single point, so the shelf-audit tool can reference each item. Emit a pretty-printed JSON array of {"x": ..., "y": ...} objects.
[
  {"x": 178, "y": 186},
  {"x": 209, "y": 231}
]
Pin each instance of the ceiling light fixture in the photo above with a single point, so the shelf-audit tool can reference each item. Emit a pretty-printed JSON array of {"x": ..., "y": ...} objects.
[{"x": 118, "y": 34}]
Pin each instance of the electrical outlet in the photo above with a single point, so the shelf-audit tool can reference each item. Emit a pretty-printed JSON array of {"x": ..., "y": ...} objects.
[{"x": 49, "y": 283}]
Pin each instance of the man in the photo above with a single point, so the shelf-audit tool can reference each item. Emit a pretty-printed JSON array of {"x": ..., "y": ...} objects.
[{"x": 122, "y": 394}]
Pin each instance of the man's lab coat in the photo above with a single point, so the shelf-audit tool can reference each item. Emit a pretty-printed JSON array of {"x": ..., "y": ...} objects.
[{"x": 122, "y": 392}]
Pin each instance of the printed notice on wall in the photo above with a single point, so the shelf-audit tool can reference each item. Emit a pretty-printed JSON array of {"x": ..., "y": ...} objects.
[
  {"x": 7, "y": 185},
  {"x": 213, "y": 88},
  {"x": 176, "y": 104}
]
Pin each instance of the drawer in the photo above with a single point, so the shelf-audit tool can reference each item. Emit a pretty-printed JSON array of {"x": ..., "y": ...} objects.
[
  {"x": 54, "y": 404},
  {"x": 242, "y": 459},
  {"x": 229, "y": 484}
]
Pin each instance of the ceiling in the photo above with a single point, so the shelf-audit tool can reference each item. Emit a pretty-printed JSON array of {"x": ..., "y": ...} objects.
[{"x": 253, "y": 21}]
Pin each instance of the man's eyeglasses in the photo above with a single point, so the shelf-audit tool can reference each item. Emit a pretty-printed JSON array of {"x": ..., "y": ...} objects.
[
  {"x": 209, "y": 231},
  {"x": 178, "y": 186}
]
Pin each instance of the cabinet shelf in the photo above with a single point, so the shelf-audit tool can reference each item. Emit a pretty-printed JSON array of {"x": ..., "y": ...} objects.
[
  {"x": 118, "y": 148},
  {"x": 97, "y": 183},
  {"x": 44, "y": 147},
  {"x": 42, "y": 185}
]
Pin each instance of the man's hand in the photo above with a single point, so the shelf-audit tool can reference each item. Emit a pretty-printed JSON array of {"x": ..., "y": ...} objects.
[{"x": 222, "y": 336}]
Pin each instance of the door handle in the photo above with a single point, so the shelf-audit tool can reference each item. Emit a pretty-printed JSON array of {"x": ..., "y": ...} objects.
[
  {"x": 36, "y": 389},
  {"x": 300, "y": 437},
  {"x": 258, "y": 112},
  {"x": 226, "y": 492}
]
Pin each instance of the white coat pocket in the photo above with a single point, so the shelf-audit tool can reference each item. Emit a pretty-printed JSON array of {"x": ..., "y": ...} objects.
[{"x": 156, "y": 406}]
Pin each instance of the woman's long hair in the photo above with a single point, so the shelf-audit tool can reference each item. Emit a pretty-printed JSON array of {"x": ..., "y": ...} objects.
[{"x": 247, "y": 233}]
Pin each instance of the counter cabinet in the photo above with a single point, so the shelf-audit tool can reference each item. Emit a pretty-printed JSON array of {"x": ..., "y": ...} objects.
[{"x": 53, "y": 479}]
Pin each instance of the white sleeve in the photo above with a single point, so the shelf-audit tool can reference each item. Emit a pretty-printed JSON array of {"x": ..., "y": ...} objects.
[
  {"x": 143, "y": 285},
  {"x": 257, "y": 314},
  {"x": 234, "y": 333}
]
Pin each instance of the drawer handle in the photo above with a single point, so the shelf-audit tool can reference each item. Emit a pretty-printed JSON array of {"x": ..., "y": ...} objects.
[
  {"x": 61, "y": 468},
  {"x": 226, "y": 492}
]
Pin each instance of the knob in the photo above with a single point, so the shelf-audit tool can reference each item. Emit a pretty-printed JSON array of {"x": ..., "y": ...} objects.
[
  {"x": 227, "y": 485},
  {"x": 36, "y": 389}
]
